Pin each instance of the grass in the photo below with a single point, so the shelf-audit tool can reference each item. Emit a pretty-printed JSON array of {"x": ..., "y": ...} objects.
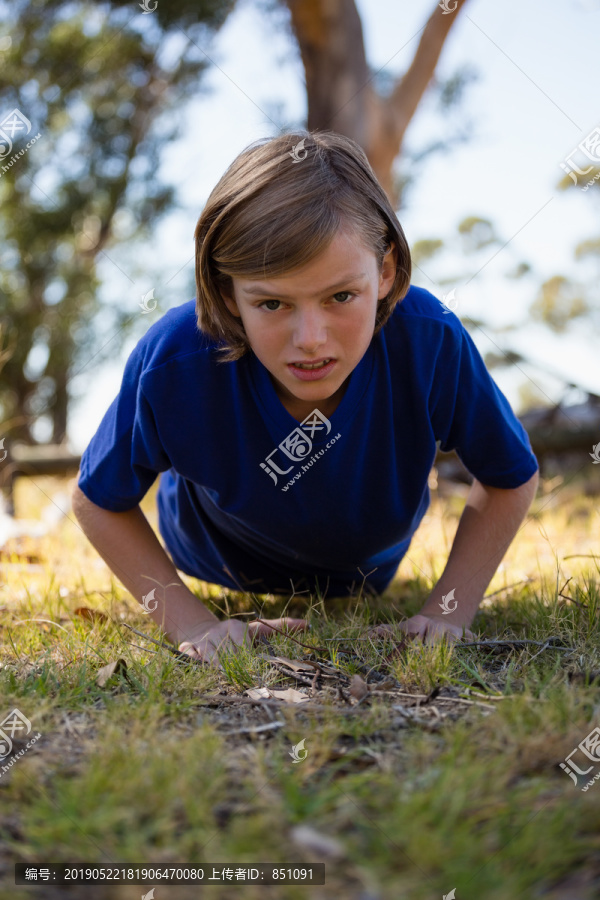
[{"x": 410, "y": 793}]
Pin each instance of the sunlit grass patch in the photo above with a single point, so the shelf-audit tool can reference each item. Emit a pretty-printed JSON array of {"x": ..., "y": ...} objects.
[{"x": 168, "y": 762}]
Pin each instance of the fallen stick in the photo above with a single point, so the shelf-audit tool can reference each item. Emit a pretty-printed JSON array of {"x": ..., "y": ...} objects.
[
  {"x": 182, "y": 657},
  {"x": 269, "y": 726}
]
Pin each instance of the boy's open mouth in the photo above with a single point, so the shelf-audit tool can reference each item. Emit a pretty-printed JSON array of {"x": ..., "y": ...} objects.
[
  {"x": 317, "y": 364},
  {"x": 313, "y": 370}
]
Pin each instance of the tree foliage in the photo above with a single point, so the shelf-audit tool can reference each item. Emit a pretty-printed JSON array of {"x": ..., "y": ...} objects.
[{"x": 98, "y": 82}]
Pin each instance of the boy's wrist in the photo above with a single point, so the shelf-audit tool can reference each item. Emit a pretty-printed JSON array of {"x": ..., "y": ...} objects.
[
  {"x": 185, "y": 615},
  {"x": 456, "y": 618},
  {"x": 192, "y": 632},
  {"x": 200, "y": 625}
]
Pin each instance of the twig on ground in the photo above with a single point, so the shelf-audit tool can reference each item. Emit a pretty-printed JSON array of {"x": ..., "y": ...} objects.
[
  {"x": 268, "y": 726},
  {"x": 514, "y": 643},
  {"x": 470, "y": 702},
  {"x": 147, "y": 636},
  {"x": 566, "y": 584},
  {"x": 145, "y": 649},
  {"x": 576, "y": 602},
  {"x": 299, "y": 677},
  {"x": 488, "y": 696},
  {"x": 181, "y": 657},
  {"x": 566, "y": 596},
  {"x": 404, "y": 694}
]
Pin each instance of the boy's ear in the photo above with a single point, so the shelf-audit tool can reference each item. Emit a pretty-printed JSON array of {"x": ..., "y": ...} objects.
[
  {"x": 388, "y": 270},
  {"x": 230, "y": 303}
]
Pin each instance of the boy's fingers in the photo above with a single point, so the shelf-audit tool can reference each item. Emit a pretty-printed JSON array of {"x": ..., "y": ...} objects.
[
  {"x": 380, "y": 631},
  {"x": 434, "y": 636},
  {"x": 268, "y": 626},
  {"x": 293, "y": 624},
  {"x": 188, "y": 647},
  {"x": 209, "y": 653},
  {"x": 413, "y": 630}
]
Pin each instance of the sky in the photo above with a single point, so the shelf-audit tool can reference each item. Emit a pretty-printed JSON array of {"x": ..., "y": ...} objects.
[{"x": 535, "y": 99}]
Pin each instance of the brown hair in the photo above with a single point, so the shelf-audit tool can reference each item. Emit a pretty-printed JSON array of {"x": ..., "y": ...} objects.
[{"x": 270, "y": 214}]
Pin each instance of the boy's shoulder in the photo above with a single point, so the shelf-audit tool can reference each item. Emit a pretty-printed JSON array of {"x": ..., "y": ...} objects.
[
  {"x": 421, "y": 318},
  {"x": 422, "y": 304},
  {"x": 173, "y": 336}
]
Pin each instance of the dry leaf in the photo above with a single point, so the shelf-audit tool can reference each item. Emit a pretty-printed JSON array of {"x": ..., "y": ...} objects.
[
  {"x": 297, "y": 665},
  {"x": 258, "y": 693},
  {"x": 315, "y": 842},
  {"x": 294, "y": 664},
  {"x": 291, "y": 695},
  {"x": 358, "y": 688},
  {"x": 91, "y": 615},
  {"x": 119, "y": 667}
]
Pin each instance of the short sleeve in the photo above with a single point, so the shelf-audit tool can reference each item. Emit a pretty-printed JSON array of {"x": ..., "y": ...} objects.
[
  {"x": 471, "y": 415},
  {"x": 122, "y": 460}
]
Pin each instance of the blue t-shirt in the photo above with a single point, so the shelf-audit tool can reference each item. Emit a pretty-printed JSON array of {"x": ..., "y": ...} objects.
[{"x": 254, "y": 500}]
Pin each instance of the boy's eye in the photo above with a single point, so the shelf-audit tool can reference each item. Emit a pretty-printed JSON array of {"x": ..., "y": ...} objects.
[{"x": 346, "y": 294}]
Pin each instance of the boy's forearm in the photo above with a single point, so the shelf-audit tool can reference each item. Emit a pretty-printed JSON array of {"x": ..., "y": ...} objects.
[
  {"x": 488, "y": 524},
  {"x": 130, "y": 548}
]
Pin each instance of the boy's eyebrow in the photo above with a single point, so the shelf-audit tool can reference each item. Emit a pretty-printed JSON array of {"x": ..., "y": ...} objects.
[{"x": 264, "y": 292}]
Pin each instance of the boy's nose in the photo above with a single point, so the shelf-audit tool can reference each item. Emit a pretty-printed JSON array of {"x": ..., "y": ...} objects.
[{"x": 310, "y": 332}]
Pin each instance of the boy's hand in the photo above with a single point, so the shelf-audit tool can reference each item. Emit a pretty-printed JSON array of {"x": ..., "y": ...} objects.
[
  {"x": 431, "y": 629},
  {"x": 232, "y": 633}
]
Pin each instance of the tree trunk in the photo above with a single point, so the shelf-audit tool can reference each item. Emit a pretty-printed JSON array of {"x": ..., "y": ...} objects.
[
  {"x": 340, "y": 90},
  {"x": 563, "y": 429}
]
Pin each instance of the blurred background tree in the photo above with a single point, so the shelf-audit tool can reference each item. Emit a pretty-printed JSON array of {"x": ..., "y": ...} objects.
[
  {"x": 558, "y": 303},
  {"x": 373, "y": 108},
  {"x": 102, "y": 85}
]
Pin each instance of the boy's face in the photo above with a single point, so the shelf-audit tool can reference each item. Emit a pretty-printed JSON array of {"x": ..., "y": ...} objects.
[{"x": 324, "y": 310}]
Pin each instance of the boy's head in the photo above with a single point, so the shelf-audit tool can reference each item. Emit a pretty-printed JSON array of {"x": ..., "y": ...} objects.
[
  {"x": 296, "y": 228},
  {"x": 268, "y": 215}
]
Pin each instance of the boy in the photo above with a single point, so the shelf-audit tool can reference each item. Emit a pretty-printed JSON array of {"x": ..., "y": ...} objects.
[{"x": 300, "y": 458}]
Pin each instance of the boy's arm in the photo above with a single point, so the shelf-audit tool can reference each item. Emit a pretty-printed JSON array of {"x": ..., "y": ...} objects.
[
  {"x": 130, "y": 548},
  {"x": 487, "y": 526}
]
